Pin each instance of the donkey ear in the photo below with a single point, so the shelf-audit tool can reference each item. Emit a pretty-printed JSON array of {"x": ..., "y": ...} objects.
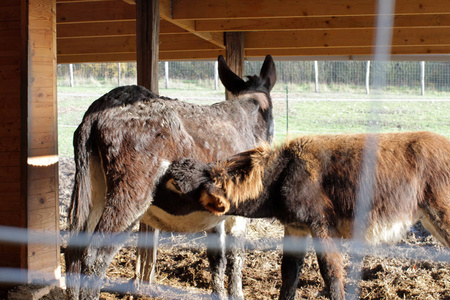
[
  {"x": 229, "y": 79},
  {"x": 268, "y": 72},
  {"x": 217, "y": 204}
]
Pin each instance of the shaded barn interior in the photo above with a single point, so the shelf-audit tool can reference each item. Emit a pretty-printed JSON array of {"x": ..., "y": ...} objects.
[{"x": 38, "y": 34}]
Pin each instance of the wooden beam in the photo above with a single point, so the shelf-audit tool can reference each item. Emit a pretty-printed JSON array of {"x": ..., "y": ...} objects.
[
  {"x": 113, "y": 28},
  {"x": 346, "y": 51},
  {"x": 185, "y": 43},
  {"x": 101, "y": 11},
  {"x": 314, "y": 23},
  {"x": 121, "y": 57},
  {"x": 191, "y": 55},
  {"x": 97, "y": 45},
  {"x": 228, "y": 9},
  {"x": 329, "y": 39},
  {"x": 343, "y": 38},
  {"x": 76, "y": 12},
  {"x": 212, "y": 37},
  {"x": 75, "y": 1},
  {"x": 94, "y": 29},
  {"x": 290, "y": 53},
  {"x": 127, "y": 44},
  {"x": 96, "y": 58},
  {"x": 234, "y": 55}
]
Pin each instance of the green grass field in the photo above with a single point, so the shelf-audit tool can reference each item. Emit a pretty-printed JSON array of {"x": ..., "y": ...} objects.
[{"x": 333, "y": 110}]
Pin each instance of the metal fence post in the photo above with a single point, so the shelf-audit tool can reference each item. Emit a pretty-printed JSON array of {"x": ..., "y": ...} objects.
[
  {"x": 216, "y": 75},
  {"x": 422, "y": 77},
  {"x": 368, "y": 77},
  {"x": 316, "y": 74},
  {"x": 71, "y": 74},
  {"x": 287, "y": 109},
  {"x": 166, "y": 73}
]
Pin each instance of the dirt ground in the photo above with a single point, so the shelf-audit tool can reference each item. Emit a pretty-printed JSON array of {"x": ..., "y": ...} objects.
[{"x": 180, "y": 267}]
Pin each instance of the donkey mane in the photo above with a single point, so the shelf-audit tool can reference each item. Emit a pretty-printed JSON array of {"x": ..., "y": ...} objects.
[{"x": 241, "y": 176}]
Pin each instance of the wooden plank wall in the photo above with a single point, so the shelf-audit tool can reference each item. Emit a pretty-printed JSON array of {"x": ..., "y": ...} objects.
[
  {"x": 42, "y": 187},
  {"x": 28, "y": 128},
  {"x": 12, "y": 160}
]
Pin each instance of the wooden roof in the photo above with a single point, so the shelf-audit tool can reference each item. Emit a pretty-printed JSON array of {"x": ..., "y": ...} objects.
[{"x": 105, "y": 30}]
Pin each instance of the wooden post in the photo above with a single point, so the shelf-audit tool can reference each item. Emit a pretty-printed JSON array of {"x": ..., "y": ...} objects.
[
  {"x": 316, "y": 75},
  {"x": 29, "y": 143},
  {"x": 422, "y": 77},
  {"x": 13, "y": 124},
  {"x": 368, "y": 77},
  {"x": 147, "y": 45},
  {"x": 42, "y": 140},
  {"x": 234, "y": 45}
]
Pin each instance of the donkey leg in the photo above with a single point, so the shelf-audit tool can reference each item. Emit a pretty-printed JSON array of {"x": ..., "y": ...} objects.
[
  {"x": 237, "y": 228},
  {"x": 291, "y": 263},
  {"x": 94, "y": 270},
  {"x": 96, "y": 259},
  {"x": 146, "y": 257},
  {"x": 217, "y": 260},
  {"x": 113, "y": 228},
  {"x": 73, "y": 268},
  {"x": 290, "y": 269},
  {"x": 330, "y": 263},
  {"x": 436, "y": 215}
]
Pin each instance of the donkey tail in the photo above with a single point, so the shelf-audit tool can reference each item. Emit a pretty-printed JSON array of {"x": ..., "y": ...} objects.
[{"x": 81, "y": 202}]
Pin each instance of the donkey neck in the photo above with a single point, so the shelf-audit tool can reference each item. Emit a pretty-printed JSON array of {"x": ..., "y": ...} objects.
[
  {"x": 267, "y": 204},
  {"x": 228, "y": 127}
]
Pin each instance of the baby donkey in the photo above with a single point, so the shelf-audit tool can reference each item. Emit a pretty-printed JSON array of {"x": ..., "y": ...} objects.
[{"x": 311, "y": 185}]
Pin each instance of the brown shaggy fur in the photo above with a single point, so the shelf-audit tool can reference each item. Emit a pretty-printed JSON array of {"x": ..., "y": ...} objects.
[
  {"x": 311, "y": 184},
  {"x": 239, "y": 183},
  {"x": 122, "y": 146}
]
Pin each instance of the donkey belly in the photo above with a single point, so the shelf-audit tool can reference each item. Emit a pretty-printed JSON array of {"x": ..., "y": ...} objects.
[
  {"x": 194, "y": 222},
  {"x": 389, "y": 230}
]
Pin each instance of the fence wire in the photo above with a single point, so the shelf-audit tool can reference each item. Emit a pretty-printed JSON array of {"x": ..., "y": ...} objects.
[
  {"x": 333, "y": 75},
  {"x": 354, "y": 247}
]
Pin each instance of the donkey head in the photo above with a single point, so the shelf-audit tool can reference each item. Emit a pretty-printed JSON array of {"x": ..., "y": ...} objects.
[
  {"x": 190, "y": 185},
  {"x": 187, "y": 187},
  {"x": 256, "y": 89},
  {"x": 236, "y": 85}
]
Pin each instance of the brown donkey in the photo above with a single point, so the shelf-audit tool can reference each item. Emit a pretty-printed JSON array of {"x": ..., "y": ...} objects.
[
  {"x": 311, "y": 185},
  {"x": 126, "y": 140}
]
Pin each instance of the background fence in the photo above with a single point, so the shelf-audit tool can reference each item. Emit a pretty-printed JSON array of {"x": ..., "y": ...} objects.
[
  {"x": 309, "y": 97},
  {"x": 332, "y": 75}
]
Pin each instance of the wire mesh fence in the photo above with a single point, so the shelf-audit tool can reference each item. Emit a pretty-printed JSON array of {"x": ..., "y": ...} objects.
[
  {"x": 402, "y": 76},
  {"x": 295, "y": 80}
]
